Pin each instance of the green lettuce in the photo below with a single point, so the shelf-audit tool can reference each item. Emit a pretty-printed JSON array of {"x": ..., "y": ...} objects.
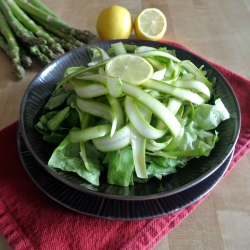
[
  {"x": 67, "y": 158},
  {"x": 121, "y": 167},
  {"x": 207, "y": 117}
]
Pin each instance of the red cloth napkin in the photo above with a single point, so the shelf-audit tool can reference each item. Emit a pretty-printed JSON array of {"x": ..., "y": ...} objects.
[{"x": 31, "y": 220}]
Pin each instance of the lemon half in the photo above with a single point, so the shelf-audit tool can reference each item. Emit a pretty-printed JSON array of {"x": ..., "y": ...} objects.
[{"x": 150, "y": 24}]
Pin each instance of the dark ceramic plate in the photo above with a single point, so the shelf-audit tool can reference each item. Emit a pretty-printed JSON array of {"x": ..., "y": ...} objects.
[
  {"x": 196, "y": 170},
  {"x": 114, "y": 209}
]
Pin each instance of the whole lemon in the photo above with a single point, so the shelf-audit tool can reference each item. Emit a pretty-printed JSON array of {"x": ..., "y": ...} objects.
[{"x": 114, "y": 22}]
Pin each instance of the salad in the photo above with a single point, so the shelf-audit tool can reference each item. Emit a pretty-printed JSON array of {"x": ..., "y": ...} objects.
[{"x": 131, "y": 121}]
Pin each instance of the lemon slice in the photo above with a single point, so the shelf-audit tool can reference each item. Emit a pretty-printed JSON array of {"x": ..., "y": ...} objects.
[
  {"x": 130, "y": 68},
  {"x": 150, "y": 24}
]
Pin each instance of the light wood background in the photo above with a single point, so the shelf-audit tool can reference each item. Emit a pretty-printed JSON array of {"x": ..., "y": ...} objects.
[{"x": 218, "y": 30}]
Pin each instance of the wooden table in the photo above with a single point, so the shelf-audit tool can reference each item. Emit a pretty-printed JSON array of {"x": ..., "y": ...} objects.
[{"x": 217, "y": 30}]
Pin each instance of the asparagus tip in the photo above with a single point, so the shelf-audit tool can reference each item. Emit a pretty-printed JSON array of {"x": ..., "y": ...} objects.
[{"x": 19, "y": 71}]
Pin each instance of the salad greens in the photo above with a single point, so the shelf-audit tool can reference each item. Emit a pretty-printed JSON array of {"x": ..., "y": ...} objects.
[{"x": 103, "y": 125}]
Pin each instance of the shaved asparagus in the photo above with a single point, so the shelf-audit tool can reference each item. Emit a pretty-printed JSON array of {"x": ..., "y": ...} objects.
[
  {"x": 139, "y": 131},
  {"x": 157, "y": 53},
  {"x": 144, "y": 98},
  {"x": 100, "y": 110},
  {"x": 120, "y": 139},
  {"x": 139, "y": 122},
  {"x": 138, "y": 144},
  {"x": 89, "y": 133},
  {"x": 181, "y": 93}
]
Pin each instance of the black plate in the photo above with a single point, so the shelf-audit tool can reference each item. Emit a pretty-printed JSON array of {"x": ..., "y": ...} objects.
[
  {"x": 112, "y": 209},
  {"x": 194, "y": 172}
]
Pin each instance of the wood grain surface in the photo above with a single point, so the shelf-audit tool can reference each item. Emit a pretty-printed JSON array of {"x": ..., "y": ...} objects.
[{"x": 218, "y": 30}]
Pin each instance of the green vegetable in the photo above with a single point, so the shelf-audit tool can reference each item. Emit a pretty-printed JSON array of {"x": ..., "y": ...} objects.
[
  {"x": 17, "y": 26},
  {"x": 208, "y": 116},
  {"x": 61, "y": 38},
  {"x": 30, "y": 26},
  {"x": 121, "y": 167},
  {"x": 25, "y": 19},
  {"x": 67, "y": 158},
  {"x": 144, "y": 98},
  {"x": 43, "y": 7},
  {"x": 34, "y": 50},
  {"x": 57, "y": 99},
  {"x": 137, "y": 132},
  {"x": 13, "y": 49},
  {"x": 24, "y": 58},
  {"x": 4, "y": 45},
  {"x": 54, "y": 123},
  {"x": 83, "y": 35}
]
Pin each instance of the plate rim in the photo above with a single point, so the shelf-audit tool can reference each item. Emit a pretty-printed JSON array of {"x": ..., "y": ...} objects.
[{"x": 157, "y": 209}]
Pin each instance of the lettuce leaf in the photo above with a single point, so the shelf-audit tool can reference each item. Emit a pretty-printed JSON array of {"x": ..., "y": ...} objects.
[
  {"x": 121, "y": 167},
  {"x": 194, "y": 138},
  {"x": 207, "y": 117},
  {"x": 67, "y": 158}
]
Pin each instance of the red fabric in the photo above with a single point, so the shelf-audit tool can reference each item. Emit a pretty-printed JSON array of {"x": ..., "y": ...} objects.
[{"x": 31, "y": 220}]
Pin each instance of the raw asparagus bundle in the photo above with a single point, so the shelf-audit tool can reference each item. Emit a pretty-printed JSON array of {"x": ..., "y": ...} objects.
[
  {"x": 12, "y": 48},
  {"x": 29, "y": 27}
]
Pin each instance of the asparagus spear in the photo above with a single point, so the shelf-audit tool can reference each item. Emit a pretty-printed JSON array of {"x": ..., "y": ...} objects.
[
  {"x": 43, "y": 7},
  {"x": 13, "y": 47},
  {"x": 43, "y": 48},
  {"x": 25, "y": 59},
  {"x": 46, "y": 50},
  {"x": 83, "y": 35},
  {"x": 4, "y": 45},
  {"x": 58, "y": 33},
  {"x": 29, "y": 23},
  {"x": 65, "y": 44},
  {"x": 34, "y": 49},
  {"x": 17, "y": 27}
]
